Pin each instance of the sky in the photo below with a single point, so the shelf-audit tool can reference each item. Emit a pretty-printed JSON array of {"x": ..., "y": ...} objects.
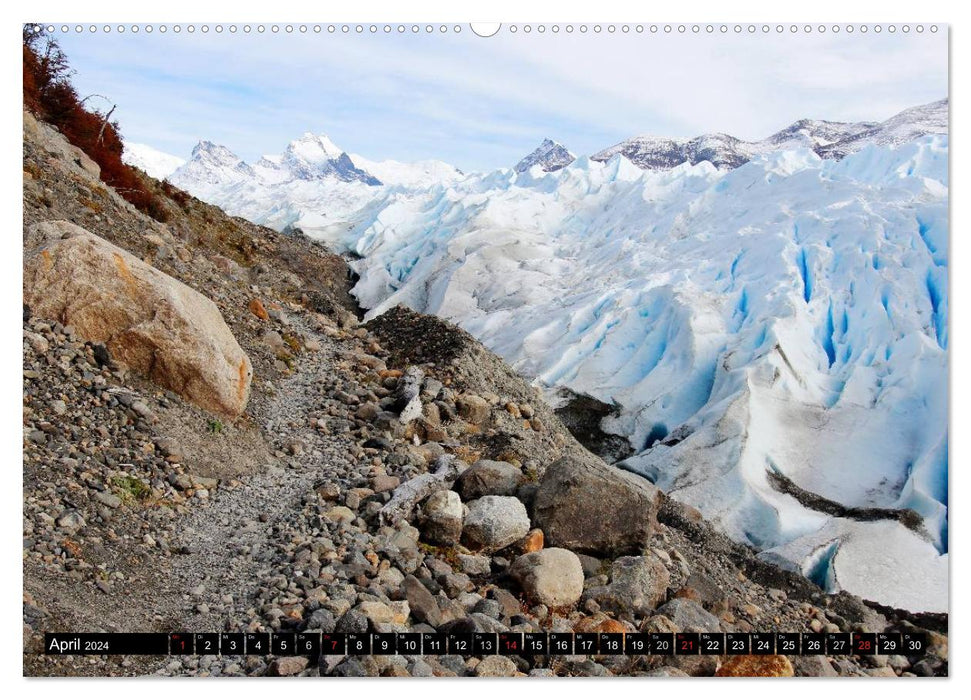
[{"x": 483, "y": 103}]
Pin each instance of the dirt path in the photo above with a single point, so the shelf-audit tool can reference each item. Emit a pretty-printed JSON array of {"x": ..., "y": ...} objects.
[{"x": 222, "y": 552}]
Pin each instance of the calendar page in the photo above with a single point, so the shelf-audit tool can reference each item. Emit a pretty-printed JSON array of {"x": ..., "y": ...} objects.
[{"x": 545, "y": 349}]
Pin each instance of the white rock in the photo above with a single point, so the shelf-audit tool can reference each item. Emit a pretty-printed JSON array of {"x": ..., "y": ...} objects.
[
  {"x": 552, "y": 577},
  {"x": 495, "y": 522}
]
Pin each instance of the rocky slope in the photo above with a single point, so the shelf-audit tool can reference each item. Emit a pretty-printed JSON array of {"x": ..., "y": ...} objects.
[{"x": 393, "y": 476}]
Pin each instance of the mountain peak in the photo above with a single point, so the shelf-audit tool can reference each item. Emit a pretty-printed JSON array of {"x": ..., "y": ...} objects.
[
  {"x": 314, "y": 156},
  {"x": 206, "y": 146},
  {"x": 215, "y": 154},
  {"x": 550, "y": 155},
  {"x": 314, "y": 147}
]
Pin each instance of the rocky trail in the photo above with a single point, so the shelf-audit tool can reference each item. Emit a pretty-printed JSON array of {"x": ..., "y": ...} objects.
[{"x": 299, "y": 544}]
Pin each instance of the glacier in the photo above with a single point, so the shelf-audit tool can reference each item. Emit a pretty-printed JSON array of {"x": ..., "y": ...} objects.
[
  {"x": 154, "y": 162},
  {"x": 789, "y": 315},
  {"x": 784, "y": 321}
]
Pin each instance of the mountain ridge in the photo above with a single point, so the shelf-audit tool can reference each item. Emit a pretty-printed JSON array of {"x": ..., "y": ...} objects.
[
  {"x": 828, "y": 139},
  {"x": 310, "y": 158},
  {"x": 315, "y": 157}
]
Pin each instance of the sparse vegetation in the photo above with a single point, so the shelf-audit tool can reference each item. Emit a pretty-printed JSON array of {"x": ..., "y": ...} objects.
[
  {"x": 450, "y": 555},
  {"x": 175, "y": 194},
  {"x": 131, "y": 488},
  {"x": 48, "y": 93},
  {"x": 293, "y": 342}
]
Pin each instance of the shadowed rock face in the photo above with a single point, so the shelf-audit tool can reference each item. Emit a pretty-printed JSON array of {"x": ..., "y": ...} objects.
[
  {"x": 583, "y": 417},
  {"x": 150, "y": 322},
  {"x": 586, "y": 506}
]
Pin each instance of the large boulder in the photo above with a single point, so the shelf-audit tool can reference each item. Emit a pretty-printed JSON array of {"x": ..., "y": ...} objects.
[
  {"x": 494, "y": 522},
  {"x": 488, "y": 478},
  {"x": 552, "y": 577},
  {"x": 150, "y": 322},
  {"x": 586, "y": 506}
]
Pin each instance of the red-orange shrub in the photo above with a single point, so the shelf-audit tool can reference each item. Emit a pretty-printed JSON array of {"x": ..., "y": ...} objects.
[{"x": 49, "y": 94}]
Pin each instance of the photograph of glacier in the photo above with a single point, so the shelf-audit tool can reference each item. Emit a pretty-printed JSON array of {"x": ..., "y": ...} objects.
[{"x": 718, "y": 261}]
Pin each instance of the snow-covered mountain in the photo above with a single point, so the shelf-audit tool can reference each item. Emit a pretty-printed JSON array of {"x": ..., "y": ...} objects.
[
  {"x": 904, "y": 127},
  {"x": 657, "y": 153},
  {"x": 771, "y": 324},
  {"x": 313, "y": 184},
  {"x": 814, "y": 134},
  {"x": 313, "y": 157},
  {"x": 827, "y": 139},
  {"x": 212, "y": 170},
  {"x": 154, "y": 162},
  {"x": 549, "y": 155}
]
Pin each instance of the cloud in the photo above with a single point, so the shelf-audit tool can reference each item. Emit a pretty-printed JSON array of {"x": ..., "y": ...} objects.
[{"x": 482, "y": 103}]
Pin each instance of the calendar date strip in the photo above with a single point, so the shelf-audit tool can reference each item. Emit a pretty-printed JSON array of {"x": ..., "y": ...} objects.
[{"x": 314, "y": 644}]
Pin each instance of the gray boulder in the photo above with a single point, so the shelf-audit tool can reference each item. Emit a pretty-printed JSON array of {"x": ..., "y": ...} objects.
[
  {"x": 407, "y": 401},
  {"x": 474, "y": 564},
  {"x": 495, "y": 522},
  {"x": 689, "y": 616},
  {"x": 637, "y": 586},
  {"x": 586, "y": 506},
  {"x": 496, "y": 667},
  {"x": 421, "y": 602},
  {"x": 441, "y": 521}
]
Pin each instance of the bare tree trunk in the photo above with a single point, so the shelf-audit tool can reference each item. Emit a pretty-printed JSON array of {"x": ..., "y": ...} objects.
[
  {"x": 406, "y": 496},
  {"x": 104, "y": 124}
]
